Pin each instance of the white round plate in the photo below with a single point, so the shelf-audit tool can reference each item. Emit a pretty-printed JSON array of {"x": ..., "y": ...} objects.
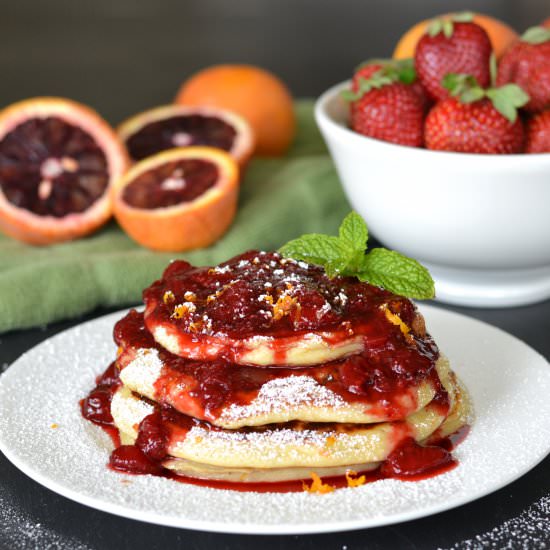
[{"x": 42, "y": 433}]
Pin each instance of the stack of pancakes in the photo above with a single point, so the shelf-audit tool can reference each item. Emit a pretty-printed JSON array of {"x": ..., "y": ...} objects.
[{"x": 262, "y": 369}]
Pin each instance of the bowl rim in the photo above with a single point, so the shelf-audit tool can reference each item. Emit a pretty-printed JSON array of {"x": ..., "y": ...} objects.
[{"x": 324, "y": 119}]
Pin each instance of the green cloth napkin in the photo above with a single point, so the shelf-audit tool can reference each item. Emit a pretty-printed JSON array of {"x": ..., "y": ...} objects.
[{"x": 279, "y": 200}]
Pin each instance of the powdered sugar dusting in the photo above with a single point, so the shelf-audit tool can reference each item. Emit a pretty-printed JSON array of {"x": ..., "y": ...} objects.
[
  {"x": 20, "y": 532},
  {"x": 528, "y": 531},
  {"x": 282, "y": 394},
  {"x": 143, "y": 371},
  {"x": 267, "y": 445},
  {"x": 501, "y": 373}
]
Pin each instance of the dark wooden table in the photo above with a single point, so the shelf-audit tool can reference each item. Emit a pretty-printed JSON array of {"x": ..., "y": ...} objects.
[{"x": 122, "y": 57}]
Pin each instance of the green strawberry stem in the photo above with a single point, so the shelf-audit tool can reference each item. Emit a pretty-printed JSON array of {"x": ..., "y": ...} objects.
[
  {"x": 493, "y": 69},
  {"x": 392, "y": 70},
  {"x": 445, "y": 24},
  {"x": 506, "y": 99},
  {"x": 536, "y": 35},
  {"x": 377, "y": 80}
]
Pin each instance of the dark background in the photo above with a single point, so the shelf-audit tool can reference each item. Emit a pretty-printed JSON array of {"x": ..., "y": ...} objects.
[{"x": 122, "y": 57}]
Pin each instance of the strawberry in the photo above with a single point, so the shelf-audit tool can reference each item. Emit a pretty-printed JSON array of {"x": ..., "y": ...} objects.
[
  {"x": 527, "y": 63},
  {"x": 476, "y": 120},
  {"x": 452, "y": 45},
  {"x": 538, "y": 133},
  {"x": 384, "y": 103}
]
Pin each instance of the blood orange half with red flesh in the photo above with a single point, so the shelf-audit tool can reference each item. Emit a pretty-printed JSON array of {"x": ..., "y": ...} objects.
[
  {"x": 172, "y": 126},
  {"x": 179, "y": 199},
  {"x": 58, "y": 159}
]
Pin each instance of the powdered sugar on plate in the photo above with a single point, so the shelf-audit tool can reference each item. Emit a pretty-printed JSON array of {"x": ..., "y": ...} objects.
[
  {"x": 19, "y": 532},
  {"x": 528, "y": 531},
  {"x": 42, "y": 433}
]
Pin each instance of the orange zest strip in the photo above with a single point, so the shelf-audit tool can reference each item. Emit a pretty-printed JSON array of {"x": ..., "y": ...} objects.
[
  {"x": 353, "y": 480},
  {"x": 168, "y": 297},
  {"x": 396, "y": 320},
  {"x": 317, "y": 485},
  {"x": 284, "y": 305},
  {"x": 181, "y": 310}
]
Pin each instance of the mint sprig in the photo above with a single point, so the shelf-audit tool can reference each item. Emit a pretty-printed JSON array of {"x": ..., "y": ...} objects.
[{"x": 346, "y": 256}]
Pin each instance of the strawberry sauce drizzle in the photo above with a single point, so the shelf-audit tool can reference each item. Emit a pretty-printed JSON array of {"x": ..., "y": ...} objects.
[
  {"x": 385, "y": 374},
  {"x": 409, "y": 461},
  {"x": 383, "y": 378},
  {"x": 261, "y": 294}
]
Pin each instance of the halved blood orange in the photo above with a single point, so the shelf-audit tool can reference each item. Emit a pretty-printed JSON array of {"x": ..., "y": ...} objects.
[
  {"x": 58, "y": 159},
  {"x": 179, "y": 199},
  {"x": 172, "y": 126}
]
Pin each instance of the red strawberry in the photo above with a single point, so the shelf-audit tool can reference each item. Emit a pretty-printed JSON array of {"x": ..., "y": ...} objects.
[
  {"x": 455, "y": 45},
  {"x": 384, "y": 106},
  {"x": 402, "y": 70},
  {"x": 538, "y": 133},
  {"x": 365, "y": 71},
  {"x": 477, "y": 120},
  {"x": 527, "y": 63},
  {"x": 423, "y": 95}
]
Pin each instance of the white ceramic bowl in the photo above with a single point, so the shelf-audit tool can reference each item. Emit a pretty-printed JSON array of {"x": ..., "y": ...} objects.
[{"x": 480, "y": 223}]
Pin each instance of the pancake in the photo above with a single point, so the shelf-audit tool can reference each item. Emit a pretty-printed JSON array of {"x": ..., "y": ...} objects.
[
  {"x": 188, "y": 468},
  {"x": 263, "y": 369},
  {"x": 289, "y": 445},
  {"x": 358, "y": 389},
  {"x": 460, "y": 415},
  {"x": 261, "y": 309}
]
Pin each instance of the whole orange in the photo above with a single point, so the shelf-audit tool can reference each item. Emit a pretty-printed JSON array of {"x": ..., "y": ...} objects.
[
  {"x": 255, "y": 94},
  {"x": 500, "y": 34}
]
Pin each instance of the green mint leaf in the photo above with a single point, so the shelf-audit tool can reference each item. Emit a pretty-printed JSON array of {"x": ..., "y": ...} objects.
[
  {"x": 353, "y": 235},
  {"x": 316, "y": 249},
  {"x": 345, "y": 256},
  {"x": 536, "y": 35},
  {"x": 338, "y": 267},
  {"x": 397, "y": 273},
  {"x": 353, "y": 231}
]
